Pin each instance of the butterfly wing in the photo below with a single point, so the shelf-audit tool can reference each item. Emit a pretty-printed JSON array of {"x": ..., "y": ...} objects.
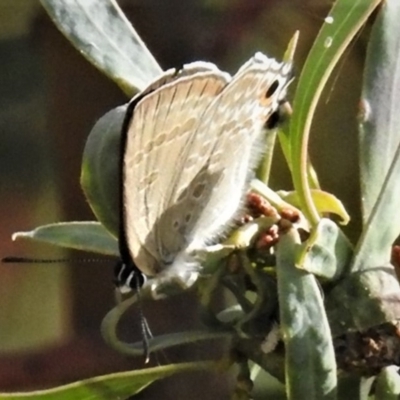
[
  {"x": 244, "y": 107},
  {"x": 227, "y": 145},
  {"x": 156, "y": 137},
  {"x": 174, "y": 74}
]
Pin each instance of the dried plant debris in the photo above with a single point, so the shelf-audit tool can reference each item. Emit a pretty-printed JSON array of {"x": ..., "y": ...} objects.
[{"x": 366, "y": 353}]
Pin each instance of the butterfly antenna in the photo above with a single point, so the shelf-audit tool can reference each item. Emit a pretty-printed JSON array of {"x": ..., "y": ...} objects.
[
  {"x": 26, "y": 260},
  {"x": 146, "y": 332}
]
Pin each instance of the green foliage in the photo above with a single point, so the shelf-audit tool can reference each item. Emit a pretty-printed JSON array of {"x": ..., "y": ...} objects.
[
  {"x": 360, "y": 288},
  {"x": 100, "y": 32},
  {"x": 309, "y": 355},
  {"x": 89, "y": 236},
  {"x": 100, "y": 168},
  {"x": 119, "y": 385},
  {"x": 334, "y": 37},
  {"x": 380, "y": 142},
  {"x": 327, "y": 252},
  {"x": 388, "y": 384},
  {"x": 161, "y": 342}
]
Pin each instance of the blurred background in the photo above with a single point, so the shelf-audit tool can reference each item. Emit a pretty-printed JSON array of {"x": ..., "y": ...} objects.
[{"x": 50, "y": 97}]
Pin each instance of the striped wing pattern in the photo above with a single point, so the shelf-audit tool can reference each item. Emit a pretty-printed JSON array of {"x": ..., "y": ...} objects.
[
  {"x": 161, "y": 129},
  {"x": 191, "y": 142}
]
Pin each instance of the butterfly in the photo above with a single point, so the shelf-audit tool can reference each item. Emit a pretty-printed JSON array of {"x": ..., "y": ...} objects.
[{"x": 189, "y": 143}]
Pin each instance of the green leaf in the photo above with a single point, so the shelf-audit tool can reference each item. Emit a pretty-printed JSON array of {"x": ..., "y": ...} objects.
[
  {"x": 264, "y": 168},
  {"x": 100, "y": 175},
  {"x": 363, "y": 299},
  {"x": 327, "y": 252},
  {"x": 310, "y": 358},
  {"x": 388, "y": 384},
  {"x": 85, "y": 235},
  {"x": 380, "y": 141},
  {"x": 346, "y": 18},
  {"x": 365, "y": 388},
  {"x": 101, "y": 32},
  {"x": 120, "y": 385},
  {"x": 324, "y": 202}
]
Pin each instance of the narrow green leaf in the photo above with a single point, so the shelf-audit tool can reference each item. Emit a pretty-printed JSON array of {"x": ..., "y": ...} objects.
[
  {"x": 380, "y": 141},
  {"x": 365, "y": 388},
  {"x": 120, "y": 385},
  {"x": 380, "y": 116},
  {"x": 310, "y": 359},
  {"x": 264, "y": 168},
  {"x": 82, "y": 235},
  {"x": 324, "y": 202},
  {"x": 327, "y": 252},
  {"x": 388, "y": 384},
  {"x": 101, "y": 32},
  {"x": 100, "y": 175},
  {"x": 382, "y": 228},
  {"x": 346, "y": 18}
]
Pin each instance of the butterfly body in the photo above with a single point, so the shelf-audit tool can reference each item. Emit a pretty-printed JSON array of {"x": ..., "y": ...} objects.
[{"x": 190, "y": 141}]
